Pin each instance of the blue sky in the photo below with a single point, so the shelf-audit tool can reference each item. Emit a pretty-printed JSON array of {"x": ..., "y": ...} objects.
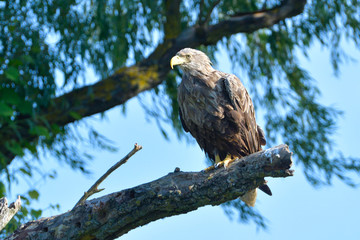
[{"x": 296, "y": 210}]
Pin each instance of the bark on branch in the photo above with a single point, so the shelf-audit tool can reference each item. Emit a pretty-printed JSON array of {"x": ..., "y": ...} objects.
[
  {"x": 128, "y": 82},
  {"x": 115, "y": 214}
]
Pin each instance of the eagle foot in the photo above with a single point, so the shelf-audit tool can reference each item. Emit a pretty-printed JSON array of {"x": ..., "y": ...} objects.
[
  {"x": 226, "y": 162},
  {"x": 218, "y": 163}
]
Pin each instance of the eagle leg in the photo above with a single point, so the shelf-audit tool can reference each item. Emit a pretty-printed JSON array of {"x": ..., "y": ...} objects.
[
  {"x": 226, "y": 162},
  {"x": 219, "y": 163}
]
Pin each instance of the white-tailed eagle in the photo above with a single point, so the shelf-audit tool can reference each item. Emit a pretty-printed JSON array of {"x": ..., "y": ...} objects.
[{"x": 217, "y": 110}]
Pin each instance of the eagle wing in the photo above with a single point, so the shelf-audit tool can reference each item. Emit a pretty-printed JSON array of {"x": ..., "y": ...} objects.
[
  {"x": 182, "y": 121},
  {"x": 218, "y": 112},
  {"x": 243, "y": 114}
]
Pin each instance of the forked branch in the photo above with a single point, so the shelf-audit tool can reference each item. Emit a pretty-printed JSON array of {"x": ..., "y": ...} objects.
[{"x": 179, "y": 192}]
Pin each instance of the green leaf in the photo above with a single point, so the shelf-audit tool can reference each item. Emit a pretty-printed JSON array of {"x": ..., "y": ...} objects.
[
  {"x": 24, "y": 210},
  {"x": 31, "y": 147},
  {"x": 24, "y": 201},
  {"x": 5, "y": 110},
  {"x": 39, "y": 130},
  {"x": 36, "y": 213},
  {"x": 10, "y": 96},
  {"x": 28, "y": 59},
  {"x": 55, "y": 128},
  {"x": 75, "y": 115},
  {"x": 25, "y": 107},
  {"x": 26, "y": 172},
  {"x": 15, "y": 148},
  {"x": 55, "y": 206},
  {"x": 2, "y": 189},
  {"x": 52, "y": 175},
  {"x": 12, "y": 73},
  {"x": 33, "y": 194}
]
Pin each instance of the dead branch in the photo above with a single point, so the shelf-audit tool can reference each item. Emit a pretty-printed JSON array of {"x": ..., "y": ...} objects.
[
  {"x": 94, "y": 188},
  {"x": 179, "y": 192},
  {"x": 8, "y": 212}
]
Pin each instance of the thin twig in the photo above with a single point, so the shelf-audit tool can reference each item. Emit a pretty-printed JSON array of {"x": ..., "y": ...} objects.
[
  {"x": 94, "y": 188},
  {"x": 208, "y": 14},
  {"x": 201, "y": 9}
]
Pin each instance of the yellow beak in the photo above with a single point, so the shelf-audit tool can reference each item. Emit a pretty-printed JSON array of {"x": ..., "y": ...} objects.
[{"x": 176, "y": 60}]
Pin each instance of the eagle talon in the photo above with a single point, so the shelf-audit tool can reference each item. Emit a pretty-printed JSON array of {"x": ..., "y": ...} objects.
[
  {"x": 219, "y": 164},
  {"x": 228, "y": 162}
]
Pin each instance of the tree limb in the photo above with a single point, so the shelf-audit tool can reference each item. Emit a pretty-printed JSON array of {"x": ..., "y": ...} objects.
[
  {"x": 115, "y": 214},
  {"x": 204, "y": 20},
  {"x": 128, "y": 82},
  {"x": 253, "y": 21},
  {"x": 94, "y": 188},
  {"x": 201, "y": 11},
  {"x": 8, "y": 212},
  {"x": 172, "y": 26}
]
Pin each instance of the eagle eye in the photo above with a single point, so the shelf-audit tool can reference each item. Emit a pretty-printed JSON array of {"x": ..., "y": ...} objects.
[{"x": 188, "y": 56}]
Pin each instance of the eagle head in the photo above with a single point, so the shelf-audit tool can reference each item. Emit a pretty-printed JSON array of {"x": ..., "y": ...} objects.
[{"x": 190, "y": 60}]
